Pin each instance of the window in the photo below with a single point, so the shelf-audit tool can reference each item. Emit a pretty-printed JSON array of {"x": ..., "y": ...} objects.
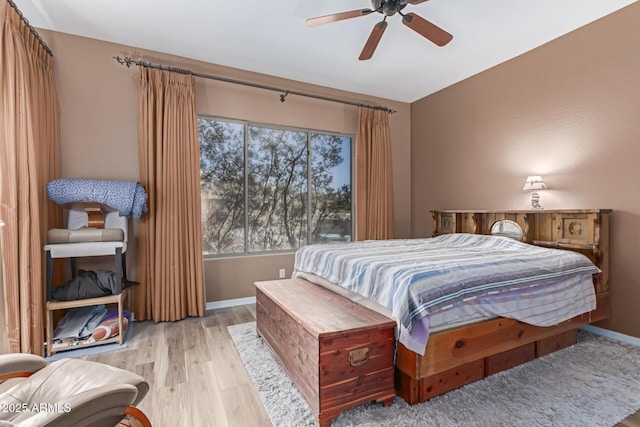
[{"x": 267, "y": 188}]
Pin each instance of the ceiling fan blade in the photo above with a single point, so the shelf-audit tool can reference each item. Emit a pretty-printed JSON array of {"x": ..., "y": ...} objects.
[
  {"x": 416, "y": 1},
  {"x": 426, "y": 29},
  {"x": 320, "y": 20},
  {"x": 373, "y": 40}
]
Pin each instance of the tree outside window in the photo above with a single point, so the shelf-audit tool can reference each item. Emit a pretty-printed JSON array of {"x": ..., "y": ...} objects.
[{"x": 267, "y": 188}]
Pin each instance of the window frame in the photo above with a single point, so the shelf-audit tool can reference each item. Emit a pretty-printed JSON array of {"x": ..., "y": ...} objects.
[{"x": 309, "y": 132}]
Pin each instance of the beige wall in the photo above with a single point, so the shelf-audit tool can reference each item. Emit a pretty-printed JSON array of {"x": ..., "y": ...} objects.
[
  {"x": 98, "y": 99},
  {"x": 569, "y": 111}
]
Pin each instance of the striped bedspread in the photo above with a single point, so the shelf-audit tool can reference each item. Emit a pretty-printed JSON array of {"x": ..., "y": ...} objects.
[{"x": 415, "y": 277}]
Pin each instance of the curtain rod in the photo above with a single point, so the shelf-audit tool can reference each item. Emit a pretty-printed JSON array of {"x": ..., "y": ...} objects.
[
  {"x": 284, "y": 92},
  {"x": 31, "y": 29}
]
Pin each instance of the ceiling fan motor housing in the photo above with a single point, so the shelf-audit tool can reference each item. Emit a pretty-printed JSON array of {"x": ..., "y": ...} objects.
[{"x": 388, "y": 7}]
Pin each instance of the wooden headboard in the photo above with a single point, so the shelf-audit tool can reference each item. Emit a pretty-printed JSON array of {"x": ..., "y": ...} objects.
[{"x": 581, "y": 230}]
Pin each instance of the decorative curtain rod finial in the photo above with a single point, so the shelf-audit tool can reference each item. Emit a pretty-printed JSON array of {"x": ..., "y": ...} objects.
[
  {"x": 283, "y": 96},
  {"x": 124, "y": 61}
]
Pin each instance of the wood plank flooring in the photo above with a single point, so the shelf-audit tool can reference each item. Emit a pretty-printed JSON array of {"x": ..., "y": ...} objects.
[{"x": 195, "y": 375}]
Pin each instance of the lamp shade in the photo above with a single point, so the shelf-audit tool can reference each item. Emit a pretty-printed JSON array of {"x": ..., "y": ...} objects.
[{"x": 534, "y": 182}]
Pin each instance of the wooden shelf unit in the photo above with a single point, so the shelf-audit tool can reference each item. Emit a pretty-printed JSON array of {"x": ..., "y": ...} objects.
[
  {"x": 65, "y": 305},
  {"x": 96, "y": 216}
]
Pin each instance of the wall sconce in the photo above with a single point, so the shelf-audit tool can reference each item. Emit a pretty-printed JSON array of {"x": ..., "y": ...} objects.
[{"x": 534, "y": 183}]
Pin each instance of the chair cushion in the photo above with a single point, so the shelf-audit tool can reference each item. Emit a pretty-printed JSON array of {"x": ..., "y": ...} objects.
[
  {"x": 82, "y": 249},
  {"x": 16, "y": 363},
  {"x": 66, "y": 235},
  {"x": 64, "y": 378}
]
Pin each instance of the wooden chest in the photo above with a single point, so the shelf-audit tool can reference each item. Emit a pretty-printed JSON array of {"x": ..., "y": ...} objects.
[{"x": 338, "y": 353}]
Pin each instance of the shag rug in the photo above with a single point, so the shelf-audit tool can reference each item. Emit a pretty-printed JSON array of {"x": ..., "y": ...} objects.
[{"x": 593, "y": 383}]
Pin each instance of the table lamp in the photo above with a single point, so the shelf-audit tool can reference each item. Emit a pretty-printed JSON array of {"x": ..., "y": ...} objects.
[{"x": 534, "y": 183}]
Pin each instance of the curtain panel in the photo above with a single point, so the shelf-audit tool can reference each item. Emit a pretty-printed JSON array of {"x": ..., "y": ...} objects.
[
  {"x": 29, "y": 158},
  {"x": 170, "y": 262},
  {"x": 374, "y": 179}
]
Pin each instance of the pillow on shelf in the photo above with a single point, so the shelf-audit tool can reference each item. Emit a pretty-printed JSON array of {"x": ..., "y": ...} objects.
[{"x": 109, "y": 327}]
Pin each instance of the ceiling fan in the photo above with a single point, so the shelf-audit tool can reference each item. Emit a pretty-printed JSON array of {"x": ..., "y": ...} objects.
[{"x": 388, "y": 8}]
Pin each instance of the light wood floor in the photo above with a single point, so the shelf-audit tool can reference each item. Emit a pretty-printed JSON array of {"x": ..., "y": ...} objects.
[{"x": 195, "y": 375}]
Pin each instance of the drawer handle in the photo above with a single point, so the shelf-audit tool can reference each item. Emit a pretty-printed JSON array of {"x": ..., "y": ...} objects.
[{"x": 359, "y": 357}]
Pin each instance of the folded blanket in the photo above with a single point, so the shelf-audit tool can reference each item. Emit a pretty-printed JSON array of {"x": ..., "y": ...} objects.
[{"x": 127, "y": 197}]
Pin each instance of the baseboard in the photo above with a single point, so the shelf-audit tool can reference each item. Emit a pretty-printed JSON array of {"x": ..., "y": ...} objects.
[
  {"x": 230, "y": 303},
  {"x": 611, "y": 334}
]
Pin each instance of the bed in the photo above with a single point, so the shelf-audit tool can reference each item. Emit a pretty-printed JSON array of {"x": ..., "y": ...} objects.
[{"x": 448, "y": 339}]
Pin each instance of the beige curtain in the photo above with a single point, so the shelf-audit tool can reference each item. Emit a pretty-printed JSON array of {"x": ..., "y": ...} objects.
[
  {"x": 170, "y": 263},
  {"x": 374, "y": 181},
  {"x": 29, "y": 158}
]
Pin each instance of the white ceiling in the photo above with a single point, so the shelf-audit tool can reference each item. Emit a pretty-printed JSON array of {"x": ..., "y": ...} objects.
[{"x": 271, "y": 37}]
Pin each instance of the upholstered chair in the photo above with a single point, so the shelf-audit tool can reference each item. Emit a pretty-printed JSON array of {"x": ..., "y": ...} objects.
[{"x": 67, "y": 392}]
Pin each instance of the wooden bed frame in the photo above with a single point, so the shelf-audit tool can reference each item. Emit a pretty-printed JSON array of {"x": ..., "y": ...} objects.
[{"x": 465, "y": 354}]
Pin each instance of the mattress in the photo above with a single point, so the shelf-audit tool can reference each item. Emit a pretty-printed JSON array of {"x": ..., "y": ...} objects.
[{"x": 486, "y": 276}]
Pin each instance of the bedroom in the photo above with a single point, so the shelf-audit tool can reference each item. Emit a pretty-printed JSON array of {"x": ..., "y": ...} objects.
[{"x": 575, "y": 123}]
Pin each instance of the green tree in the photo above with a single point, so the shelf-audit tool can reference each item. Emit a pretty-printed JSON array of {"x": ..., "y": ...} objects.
[
  {"x": 222, "y": 185},
  {"x": 277, "y": 184}
]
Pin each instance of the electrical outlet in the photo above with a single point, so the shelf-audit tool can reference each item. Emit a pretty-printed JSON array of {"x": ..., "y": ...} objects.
[{"x": 282, "y": 273}]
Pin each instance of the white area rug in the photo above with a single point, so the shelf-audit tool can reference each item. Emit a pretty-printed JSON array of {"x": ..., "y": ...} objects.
[{"x": 593, "y": 383}]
